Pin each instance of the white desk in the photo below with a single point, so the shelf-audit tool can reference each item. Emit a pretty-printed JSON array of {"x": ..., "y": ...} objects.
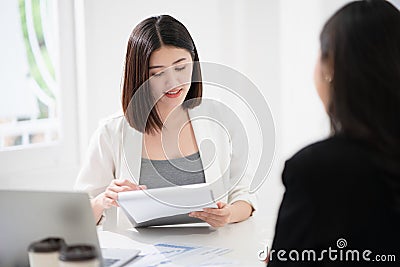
[{"x": 245, "y": 239}]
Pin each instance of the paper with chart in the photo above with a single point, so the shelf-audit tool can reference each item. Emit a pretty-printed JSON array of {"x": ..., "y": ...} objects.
[
  {"x": 182, "y": 255},
  {"x": 168, "y": 254},
  {"x": 146, "y": 205}
]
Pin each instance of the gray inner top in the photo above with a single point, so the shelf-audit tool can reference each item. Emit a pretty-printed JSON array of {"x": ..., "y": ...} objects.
[{"x": 173, "y": 172}]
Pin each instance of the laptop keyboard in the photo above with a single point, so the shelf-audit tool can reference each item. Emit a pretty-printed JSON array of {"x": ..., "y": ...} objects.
[{"x": 109, "y": 262}]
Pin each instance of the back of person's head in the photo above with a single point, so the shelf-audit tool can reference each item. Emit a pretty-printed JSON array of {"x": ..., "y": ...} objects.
[{"x": 361, "y": 43}]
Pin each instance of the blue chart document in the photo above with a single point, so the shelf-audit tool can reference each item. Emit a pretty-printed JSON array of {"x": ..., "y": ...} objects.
[
  {"x": 169, "y": 254},
  {"x": 174, "y": 255}
]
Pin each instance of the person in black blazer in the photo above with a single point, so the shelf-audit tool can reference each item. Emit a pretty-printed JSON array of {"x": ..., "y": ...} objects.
[{"x": 341, "y": 206}]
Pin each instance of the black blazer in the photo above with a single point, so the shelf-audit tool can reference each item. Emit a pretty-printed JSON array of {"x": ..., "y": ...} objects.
[{"x": 339, "y": 188}]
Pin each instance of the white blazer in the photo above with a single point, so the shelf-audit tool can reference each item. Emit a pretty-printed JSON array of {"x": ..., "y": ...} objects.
[{"x": 115, "y": 152}]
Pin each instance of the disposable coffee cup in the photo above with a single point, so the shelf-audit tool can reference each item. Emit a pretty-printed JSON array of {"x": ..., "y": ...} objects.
[
  {"x": 78, "y": 256},
  {"x": 45, "y": 252}
]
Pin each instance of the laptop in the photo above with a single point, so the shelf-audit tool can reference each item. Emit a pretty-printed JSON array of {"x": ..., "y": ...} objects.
[{"x": 29, "y": 216}]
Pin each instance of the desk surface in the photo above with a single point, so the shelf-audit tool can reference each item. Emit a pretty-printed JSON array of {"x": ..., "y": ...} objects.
[{"x": 245, "y": 239}]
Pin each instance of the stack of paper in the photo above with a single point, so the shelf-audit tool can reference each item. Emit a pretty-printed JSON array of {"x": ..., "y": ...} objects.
[{"x": 154, "y": 205}]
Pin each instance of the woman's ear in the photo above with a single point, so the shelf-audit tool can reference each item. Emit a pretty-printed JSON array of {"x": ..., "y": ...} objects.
[
  {"x": 328, "y": 78},
  {"x": 323, "y": 77},
  {"x": 327, "y": 70}
]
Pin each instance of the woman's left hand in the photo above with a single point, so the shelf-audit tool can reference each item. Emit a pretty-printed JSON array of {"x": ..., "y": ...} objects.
[{"x": 216, "y": 217}]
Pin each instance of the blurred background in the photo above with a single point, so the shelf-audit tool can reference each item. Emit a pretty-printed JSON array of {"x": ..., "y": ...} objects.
[{"x": 61, "y": 65}]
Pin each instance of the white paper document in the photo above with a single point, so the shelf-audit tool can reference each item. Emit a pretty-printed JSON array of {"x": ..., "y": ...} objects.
[
  {"x": 114, "y": 240},
  {"x": 146, "y": 205}
]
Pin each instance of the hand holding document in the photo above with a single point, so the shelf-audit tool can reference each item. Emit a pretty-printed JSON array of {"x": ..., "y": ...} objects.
[{"x": 169, "y": 205}]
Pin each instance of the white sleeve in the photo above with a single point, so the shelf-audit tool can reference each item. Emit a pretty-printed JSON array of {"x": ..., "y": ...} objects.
[
  {"x": 98, "y": 169},
  {"x": 241, "y": 178},
  {"x": 241, "y": 171}
]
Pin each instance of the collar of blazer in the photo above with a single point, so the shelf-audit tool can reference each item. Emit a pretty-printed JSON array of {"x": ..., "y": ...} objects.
[{"x": 212, "y": 140}]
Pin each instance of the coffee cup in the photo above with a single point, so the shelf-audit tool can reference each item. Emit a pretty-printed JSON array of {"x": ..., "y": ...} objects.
[
  {"x": 78, "y": 256},
  {"x": 45, "y": 252}
]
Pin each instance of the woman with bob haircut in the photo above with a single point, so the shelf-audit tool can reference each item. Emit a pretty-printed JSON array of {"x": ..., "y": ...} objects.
[
  {"x": 161, "y": 92},
  {"x": 343, "y": 193}
]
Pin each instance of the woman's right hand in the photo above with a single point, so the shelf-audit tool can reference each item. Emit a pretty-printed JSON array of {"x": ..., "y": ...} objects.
[{"x": 110, "y": 196}]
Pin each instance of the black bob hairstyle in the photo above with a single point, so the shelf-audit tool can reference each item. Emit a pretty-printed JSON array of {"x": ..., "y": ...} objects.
[{"x": 148, "y": 36}]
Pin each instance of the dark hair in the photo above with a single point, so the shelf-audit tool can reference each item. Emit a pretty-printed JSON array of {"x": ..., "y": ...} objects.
[
  {"x": 362, "y": 43},
  {"x": 148, "y": 36}
]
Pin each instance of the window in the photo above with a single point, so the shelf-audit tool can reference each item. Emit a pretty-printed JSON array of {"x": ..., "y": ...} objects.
[
  {"x": 29, "y": 95},
  {"x": 38, "y": 102}
]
